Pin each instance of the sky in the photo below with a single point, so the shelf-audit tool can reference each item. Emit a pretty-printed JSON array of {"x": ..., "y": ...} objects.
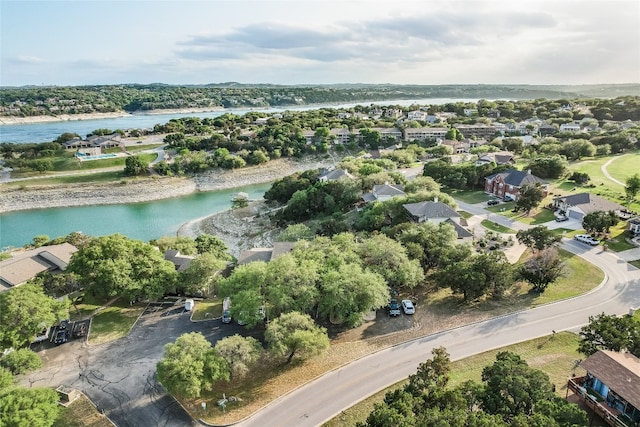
[{"x": 293, "y": 42}]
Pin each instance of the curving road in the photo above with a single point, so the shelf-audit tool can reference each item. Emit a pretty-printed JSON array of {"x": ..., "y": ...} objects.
[{"x": 322, "y": 399}]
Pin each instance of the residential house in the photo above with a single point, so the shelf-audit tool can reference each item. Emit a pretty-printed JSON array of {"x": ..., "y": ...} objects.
[
  {"x": 416, "y": 115},
  {"x": 633, "y": 225},
  {"x": 507, "y": 184},
  {"x": 569, "y": 127},
  {"x": 498, "y": 157},
  {"x": 24, "y": 266},
  {"x": 474, "y": 143},
  {"x": 181, "y": 262},
  {"x": 343, "y": 135},
  {"x": 334, "y": 175},
  {"x": 383, "y": 192},
  {"x": 546, "y": 129},
  {"x": 265, "y": 254},
  {"x": 458, "y": 147},
  {"x": 611, "y": 387},
  {"x": 578, "y": 205},
  {"x": 437, "y": 212},
  {"x": 94, "y": 141},
  {"x": 389, "y": 134},
  {"x": 478, "y": 130},
  {"x": 423, "y": 134},
  {"x": 470, "y": 112}
]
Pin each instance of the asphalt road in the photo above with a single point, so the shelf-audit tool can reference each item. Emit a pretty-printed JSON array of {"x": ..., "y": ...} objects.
[
  {"x": 119, "y": 377},
  {"x": 320, "y": 400}
]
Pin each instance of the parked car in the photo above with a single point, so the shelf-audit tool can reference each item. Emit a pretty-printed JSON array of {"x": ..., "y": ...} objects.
[
  {"x": 394, "y": 307},
  {"x": 493, "y": 202},
  {"x": 407, "y": 307},
  {"x": 188, "y": 304},
  {"x": 562, "y": 218},
  {"x": 64, "y": 324},
  {"x": 508, "y": 199},
  {"x": 80, "y": 330},
  {"x": 585, "y": 238},
  {"x": 226, "y": 316},
  {"x": 61, "y": 337}
]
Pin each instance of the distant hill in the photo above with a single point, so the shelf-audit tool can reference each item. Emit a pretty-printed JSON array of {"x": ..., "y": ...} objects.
[{"x": 131, "y": 97}]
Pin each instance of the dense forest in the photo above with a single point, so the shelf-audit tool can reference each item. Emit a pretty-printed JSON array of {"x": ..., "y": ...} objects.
[{"x": 53, "y": 100}]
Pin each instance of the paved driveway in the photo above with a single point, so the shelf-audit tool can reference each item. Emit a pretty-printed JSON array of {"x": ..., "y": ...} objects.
[{"x": 120, "y": 376}]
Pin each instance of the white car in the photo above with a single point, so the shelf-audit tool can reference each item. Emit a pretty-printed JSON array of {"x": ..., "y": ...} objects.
[
  {"x": 585, "y": 238},
  {"x": 407, "y": 307}
]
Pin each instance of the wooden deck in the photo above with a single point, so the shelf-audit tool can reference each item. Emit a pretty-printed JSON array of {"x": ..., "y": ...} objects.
[{"x": 608, "y": 414}]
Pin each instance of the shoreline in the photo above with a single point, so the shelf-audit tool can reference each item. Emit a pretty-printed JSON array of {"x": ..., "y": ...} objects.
[
  {"x": 149, "y": 189},
  {"x": 32, "y": 120}
]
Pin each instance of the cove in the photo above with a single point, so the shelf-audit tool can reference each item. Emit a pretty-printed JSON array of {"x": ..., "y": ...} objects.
[{"x": 143, "y": 221}]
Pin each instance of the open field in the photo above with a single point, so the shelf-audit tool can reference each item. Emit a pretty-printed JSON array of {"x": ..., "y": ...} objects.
[{"x": 555, "y": 355}]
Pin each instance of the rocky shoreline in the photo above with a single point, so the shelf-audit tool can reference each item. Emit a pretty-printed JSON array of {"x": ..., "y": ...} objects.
[{"x": 29, "y": 197}]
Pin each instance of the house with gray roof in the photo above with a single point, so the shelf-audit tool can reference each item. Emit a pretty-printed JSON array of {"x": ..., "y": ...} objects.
[
  {"x": 437, "y": 212},
  {"x": 24, "y": 266},
  {"x": 334, "y": 175},
  {"x": 265, "y": 254},
  {"x": 181, "y": 262},
  {"x": 507, "y": 184},
  {"x": 578, "y": 205},
  {"x": 383, "y": 192},
  {"x": 498, "y": 157}
]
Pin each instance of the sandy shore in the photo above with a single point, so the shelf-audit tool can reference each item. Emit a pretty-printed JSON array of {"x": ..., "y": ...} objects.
[
  {"x": 10, "y": 120},
  {"x": 143, "y": 190}
]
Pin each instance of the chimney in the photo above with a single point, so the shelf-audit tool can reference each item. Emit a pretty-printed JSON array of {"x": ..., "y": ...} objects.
[
  {"x": 528, "y": 171},
  {"x": 435, "y": 199}
]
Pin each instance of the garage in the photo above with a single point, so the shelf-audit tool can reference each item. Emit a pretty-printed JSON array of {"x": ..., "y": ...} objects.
[{"x": 574, "y": 214}]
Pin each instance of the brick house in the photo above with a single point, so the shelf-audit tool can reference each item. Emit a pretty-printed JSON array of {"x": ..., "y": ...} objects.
[{"x": 507, "y": 184}]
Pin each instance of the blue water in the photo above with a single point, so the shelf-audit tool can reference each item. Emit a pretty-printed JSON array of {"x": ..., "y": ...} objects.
[
  {"x": 47, "y": 132},
  {"x": 143, "y": 221}
]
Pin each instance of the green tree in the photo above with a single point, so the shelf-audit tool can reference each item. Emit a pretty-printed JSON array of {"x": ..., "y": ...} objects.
[
  {"x": 134, "y": 166},
  {"x": 296, "y": 334},
  {"x": 478, "y": 275},
  {"x": 40, "y": 240},
  {"x": 542, "y": 268},
  {"x": 117, "y": 266},
  {"x": 513, "y": 388},
  {"x": 349, "y": 291},
  {"x": 388, "y": 258},
  {"x": 431, "y": 244},
  {"x": 632, "y": 187},
  {"x": 201, "y": 274},
  {"x": 25, "y": 311},
  {"x": 190, "y": 366},
  {"x": 292, "y": 285},
  {"x": 538, "y": 238},
  {"x": 213, "y": 245},
  {"x": 182, "y": 244},
  {"x": 28, "y": 407},
  {"x": 610, "y": 332},
  {"x": 599, "y": 222},
  {"x": 21, "y": 361},
  {"x": 295, "y": 232},
  {"x": 529, "y": 198},
  {"x": 241, "y": 353},
  {"x": 548, "y": 166},
  {"x": 6, "y": 378}
]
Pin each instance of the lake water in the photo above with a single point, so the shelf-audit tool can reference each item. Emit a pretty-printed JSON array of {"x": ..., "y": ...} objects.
[
  {"x": 143, "y": 221},
  {"x": 47, "y": 132}
]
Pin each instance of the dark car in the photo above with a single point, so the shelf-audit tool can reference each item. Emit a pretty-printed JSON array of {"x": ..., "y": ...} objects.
[
  {"x": 80, "y": 330},
  {"x": 394, "y": 307},
  {"x": 61, "y": 337},
  {"x": 64, "y": 324},
  {"x": 493, "y": 202}
]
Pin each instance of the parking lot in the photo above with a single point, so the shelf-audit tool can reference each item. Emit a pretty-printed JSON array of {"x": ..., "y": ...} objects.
[{"x": 120, "y": 376}]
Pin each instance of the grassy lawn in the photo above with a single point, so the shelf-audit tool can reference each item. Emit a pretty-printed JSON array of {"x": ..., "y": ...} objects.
[
  {"x": 468, "y": 196},
  {"x": 114, "y": 322},
  {"x": 465, "y": 215},
  {"x": 81, "y": 413},
  {"x": 535, "y": 217},
  {"x": 86, "y": 307},
  {"x": 580, "y": 277},
  {"x": 617, "y": 242},
  {"x": 497, "y": 227},
  {"x": 207, "y": 309},
  {"x": 624, "y": 166},
  {"x": 554, "y": 354}
]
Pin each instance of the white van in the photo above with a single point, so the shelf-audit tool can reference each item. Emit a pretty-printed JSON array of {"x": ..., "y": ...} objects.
[{"x": 189, "y": 304}]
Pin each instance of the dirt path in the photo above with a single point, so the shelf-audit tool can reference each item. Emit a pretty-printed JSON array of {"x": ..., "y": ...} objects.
[{"x": 605, "y": 172}]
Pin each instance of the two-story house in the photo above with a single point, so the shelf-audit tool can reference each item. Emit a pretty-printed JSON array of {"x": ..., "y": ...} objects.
[{"x": 506, "y": 185}]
